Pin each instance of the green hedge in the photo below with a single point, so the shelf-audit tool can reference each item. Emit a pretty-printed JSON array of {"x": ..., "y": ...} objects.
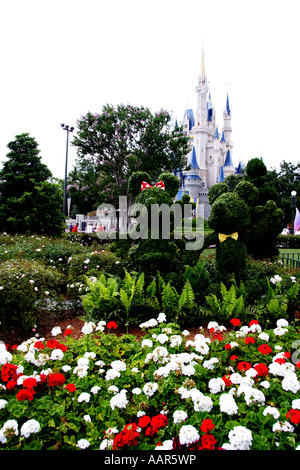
[{"x": 288, "y": 241}]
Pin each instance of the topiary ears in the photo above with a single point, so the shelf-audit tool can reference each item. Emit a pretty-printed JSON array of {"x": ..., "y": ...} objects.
[
  {"x": 248, "y": 192},
  {"x": 215, "y": 191},
  {"x": 171, "y": 183},
  {"x": 135, "y": 182}
]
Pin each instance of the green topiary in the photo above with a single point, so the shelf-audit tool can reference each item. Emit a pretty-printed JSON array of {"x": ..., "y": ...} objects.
[
  {"x": 248, "y": 192},
  {"x": 215, "y": 191},
  {"x": 229, "y": 218},
  {"x": 154, "y": 249}
]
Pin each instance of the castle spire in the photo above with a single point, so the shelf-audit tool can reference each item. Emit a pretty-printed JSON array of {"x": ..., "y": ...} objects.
[{"x": 202, "y": 64}]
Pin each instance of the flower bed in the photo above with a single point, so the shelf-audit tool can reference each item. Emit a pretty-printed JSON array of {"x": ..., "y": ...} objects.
[{"x": 237, "y": 389}]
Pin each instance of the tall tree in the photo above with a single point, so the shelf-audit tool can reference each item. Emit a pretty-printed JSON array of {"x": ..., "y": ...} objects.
[
  {"x": 257, "y": 173},
  {"x": 125, "y": 139},
  {"x": 29, "y": 201}
]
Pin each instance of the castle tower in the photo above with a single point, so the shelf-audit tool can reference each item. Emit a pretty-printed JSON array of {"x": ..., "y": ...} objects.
[{"x": 210, "y": 155}]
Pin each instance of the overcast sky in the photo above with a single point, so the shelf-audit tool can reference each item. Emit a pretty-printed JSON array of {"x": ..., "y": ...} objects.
[{"x": 60, "y": 59}]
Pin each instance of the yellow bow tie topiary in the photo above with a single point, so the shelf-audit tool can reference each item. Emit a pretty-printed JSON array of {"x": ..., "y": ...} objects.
[{"x": 222, "y": 236}]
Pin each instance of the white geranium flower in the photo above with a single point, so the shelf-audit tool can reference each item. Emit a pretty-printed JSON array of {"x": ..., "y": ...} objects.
[
  {"x": 188, "y": 434},
  {"x": 240, "y": 438},
  {"x": 83, "y": 444},
  {"x": 56, "y": 331},
  {"x": 29, "y": 427},
  {"x": 161, "y": 318},
  {"x": 179, "y": 415},
  {"x": 84, "y": 396}
]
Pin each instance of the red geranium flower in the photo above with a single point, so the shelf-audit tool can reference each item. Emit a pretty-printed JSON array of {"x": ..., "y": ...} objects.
[
  {"x": 218, "y": 336},
  {"x": 233, "y": 358},
  {"x": 25, "y": 394},
  {"x": 68, "y": 331},
  {"x": 249, "y": 340},
  {"x": 144, "y": 421},
  {"x": 294, "y": 416},
  {"x": 52, "y": 344},
  {"x": 30, "y": 382},
  {"x": 235, "y": 321},
  {"x": 264, "y": 349},
  {"x": 62, "y": 347},
  {"x": 280, "y": 360},
  {"x": 112, "y": 325},
  {"x": 287, "y": 354},
  {"x": 226, "y": 379},
  {"x": 39, "y": 345},
  {"x": 44, "y": 378},
  {"x": 8, "y": 372},
  {"x": 253, "y": 322},
  {"x": 208, "y": 441},
  {"x": 159, "y": 421},
  {"x": 127, "y": 437},
  {"x": 11, "y": 385},
  {"x": 56, "y": 379},
  {"x": 207, "y": 425},
  {"x": 71, "y": 388},
  {"x": 261, "y": 369},
  {"x": 227, "y": 346},
  {"x": 243, "y": 366}
]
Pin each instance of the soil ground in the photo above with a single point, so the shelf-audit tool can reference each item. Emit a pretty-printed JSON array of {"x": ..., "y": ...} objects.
[{"x": 15, "y": 336}]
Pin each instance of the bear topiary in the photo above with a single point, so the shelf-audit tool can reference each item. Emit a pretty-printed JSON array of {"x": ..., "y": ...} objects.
[
  {"x": 230, "y": 218},
  {"x": 266, "y": 221},
  {"x": 255, "y": 227}
]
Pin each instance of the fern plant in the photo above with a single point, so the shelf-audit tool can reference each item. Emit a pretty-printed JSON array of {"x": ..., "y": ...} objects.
[
  {"x": 102, "y": 297},
  {"x": 228, "y": 306},
  {"x": 169, "y": 299},
  {"x": 186, "y": 300},
  {"x": 131, "y": 291},
  {"x": 280, "y": 303}
]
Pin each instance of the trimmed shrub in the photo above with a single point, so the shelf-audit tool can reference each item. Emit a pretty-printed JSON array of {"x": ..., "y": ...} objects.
[{"x": 22, "y": 284}]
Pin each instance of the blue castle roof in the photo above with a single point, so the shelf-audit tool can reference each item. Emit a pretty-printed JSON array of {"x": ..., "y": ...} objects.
[
  {"x": 221, "y": 175},
  {"x": 189, "y": 114},
  {"x": 228, "y": 161},
  {"x": 193, "y": 160},
  {"x": 227, "y": 106}
]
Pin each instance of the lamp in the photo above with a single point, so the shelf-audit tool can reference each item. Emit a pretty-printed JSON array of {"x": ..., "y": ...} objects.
[
  {"x": 68, "y": 129},
  {"x": 293, "y": 207}
]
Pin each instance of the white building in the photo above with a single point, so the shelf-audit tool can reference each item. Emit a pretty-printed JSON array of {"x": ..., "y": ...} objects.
[{"x": 210, "y": 156}]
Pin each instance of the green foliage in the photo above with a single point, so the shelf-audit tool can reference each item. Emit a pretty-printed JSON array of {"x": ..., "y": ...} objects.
[
  {"x": 231, "y": 258},
  {"x": 215, "y": 191},
  {"x": 228, "y": 306},
  {"x": 102, "y": 296},
  {"x": 23, "y": 284},
  {"x": 121, "y": 140},
  {"x": 29, "y": 202},
  {"x": 229, "y": 213},
  {"x": 265, "y": 225},
  {"x": 257, "y": 174},
  {"x": 171, "y": 183},
  {"x": 135, "y": 181},
  {"x": 248, "y": 192}
]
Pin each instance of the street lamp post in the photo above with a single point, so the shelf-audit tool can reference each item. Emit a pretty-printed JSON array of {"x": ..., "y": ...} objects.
[
  {"x": 293, "y": 206},
  {"x": 68, "y": 129}
]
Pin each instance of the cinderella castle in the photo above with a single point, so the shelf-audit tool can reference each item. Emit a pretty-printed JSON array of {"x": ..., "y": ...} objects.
[{"x": 210, "y": 157}]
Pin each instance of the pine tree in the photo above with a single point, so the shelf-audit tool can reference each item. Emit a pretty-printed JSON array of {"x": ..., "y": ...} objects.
[{"x": 29, "y": 202}]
